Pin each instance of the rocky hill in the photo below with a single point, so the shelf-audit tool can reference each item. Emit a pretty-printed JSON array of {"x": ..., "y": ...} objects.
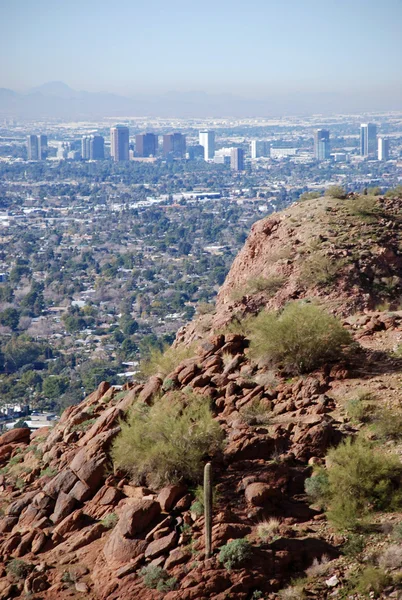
[{"x": 75, "y": 523}]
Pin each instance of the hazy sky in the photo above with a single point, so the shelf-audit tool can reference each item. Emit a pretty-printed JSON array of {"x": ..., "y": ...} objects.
[{"x": 250, "y": 47}]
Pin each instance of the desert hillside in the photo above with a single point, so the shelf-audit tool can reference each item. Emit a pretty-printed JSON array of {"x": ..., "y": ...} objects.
[{"x": 291, "y": 388}]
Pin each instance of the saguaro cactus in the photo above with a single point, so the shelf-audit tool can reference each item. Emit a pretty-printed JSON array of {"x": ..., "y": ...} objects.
[{"x": 208, "y": 509}]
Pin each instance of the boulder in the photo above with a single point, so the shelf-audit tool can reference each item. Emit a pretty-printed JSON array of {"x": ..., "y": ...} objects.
[
  {"x": 19, "y": 435},
  {"x": 258, "y": 493},
  {"x": 151, "y": 388},
  {"x": 89, "y": 468},
  {"x": 136, "y": 516},
  {"x": 161, "y": 545},
  {"x": 119, "y": 550},
  {"x": 64, "y": 506},
  {"x": 62, "y": 482},
  {"x": 168, "y": 496}
]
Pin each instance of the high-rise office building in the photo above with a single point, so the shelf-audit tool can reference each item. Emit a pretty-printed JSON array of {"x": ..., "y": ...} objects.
[
  {"x": 85, "y": 143},
  {"x": 259, "y": 148},
  {"x": 237, "y": 159},
  {"x": 146, "y": 144},
  {"x": 368, "y": 139},
  {"x": 196, "y": 152},
  {"x": 37, "y": 147},
  {"x": 97, "y": 147},
  {"x": 383, "y": 148},
  {"x": 32, "y": 147},
  {"x": 174, "y": 144},
  {"x": 321, "y": 144},
  {"x": 207, "y": 140},
  {"x": 119, "y": 143},
  {"x": 42, "y": 147}
]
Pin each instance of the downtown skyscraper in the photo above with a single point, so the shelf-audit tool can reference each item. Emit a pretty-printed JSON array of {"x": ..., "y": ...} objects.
[
  {"x": 174, "y": 144},
  {"x": 119, "y": 143},
  {"x": 146, "y": 144},
  {"x": 207, "y": 141},
  {"x": 37, "y": 147},
  {"x": 321, "y": 144},
  {"x": 368, "y": 139}
]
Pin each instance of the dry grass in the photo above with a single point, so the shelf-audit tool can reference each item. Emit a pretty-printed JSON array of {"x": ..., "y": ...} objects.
[
  {"x": 319, "y": 567},
  {"x": 268, "y": 529}
]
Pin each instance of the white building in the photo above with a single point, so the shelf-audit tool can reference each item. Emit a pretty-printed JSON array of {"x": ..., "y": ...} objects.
[
  {"x": 383, "y": 148},
  {"x": 207, "y": 140},
  {"x": 259, "y": 148},
  {"x": 282, "y": 152},
  {"x": 368, "y": 139}
]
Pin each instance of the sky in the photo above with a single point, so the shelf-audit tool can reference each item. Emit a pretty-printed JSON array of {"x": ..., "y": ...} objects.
[{"x": 253, "y": 49}]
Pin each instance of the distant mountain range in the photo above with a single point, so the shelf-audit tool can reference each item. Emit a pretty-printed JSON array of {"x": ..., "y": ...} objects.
[{"x": 57, "y": 100}]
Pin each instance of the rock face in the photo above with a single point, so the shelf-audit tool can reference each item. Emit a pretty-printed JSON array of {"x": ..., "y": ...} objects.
[{"x": 78, "y": 515}]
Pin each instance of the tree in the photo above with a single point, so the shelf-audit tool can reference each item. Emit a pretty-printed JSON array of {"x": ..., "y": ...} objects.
[
  {"x": 128, "y": 325},
  {"x": 10, "y": 318},
  {"x": 53, "y": 387}
]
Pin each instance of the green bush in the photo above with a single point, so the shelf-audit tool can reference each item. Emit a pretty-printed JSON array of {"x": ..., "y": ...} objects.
[
  {"x": 163, "y": 362},
  {"x": 354, "y": 545},
  {"x": 168, "y": 441},
  {"x": 156, "y": 578},
  {"x": 365, "y": 207},
  {"x": 235, "y": 553},
  {"x": 319, "y": 269},
  {"x": 362, "y": 408},
  {"x": 397, "y": 532},
  {"x": 19, "y": 568},
  {"x": 388, "y": 424},
  {"x": 371, "y": 579},
  {"x": 316, "y": 487},
  {"x": 335, "y": 191},
  {"x": 110, "y": 520},
  {"x": 269, "y": 285},
  {"x": 255, "y": 413},
  {"x": 301, "y": 338},
  {"x": 361, "y": 479}
]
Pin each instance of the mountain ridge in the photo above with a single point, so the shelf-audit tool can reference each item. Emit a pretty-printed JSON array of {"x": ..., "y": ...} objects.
[{"x": 79, "y": 524}]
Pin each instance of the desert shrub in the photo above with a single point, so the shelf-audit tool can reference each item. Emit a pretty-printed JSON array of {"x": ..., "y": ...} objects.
[
  {"x": 354, "y": 545},
  {"x": 157, "y": 578},
  {"x": 234, "y": 553},
  {"x": 319, "y": 269},
  {"x": 316, "y": 487},
  {"x": 309, "y": 196},
  {"x": 48, "y": 472},
  {"x": 268, "y": 529},
  {"x": 269, "y": 285},
  {"x": 301, "y": 338},
  {"x": 362, "y": 407},
  {"x": 169, "y": 440},
  {"x": 361, "y": 478},
  {"x": 335, "y": 191},
  {"x": 165, "y": 361},
  {"x": 205, "y": 308},
  {"x": 388, "y": 424},
  {"x": 84, "y": 426},
  {"x": 365, "y": 207},
  {"x": 255, "y": 413},
  {"x": 397, "y": 532},
  {"x": 371, "y": 579},
  {"x": 19, "y": 568},
  {"x": 110, "y": 520}
]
